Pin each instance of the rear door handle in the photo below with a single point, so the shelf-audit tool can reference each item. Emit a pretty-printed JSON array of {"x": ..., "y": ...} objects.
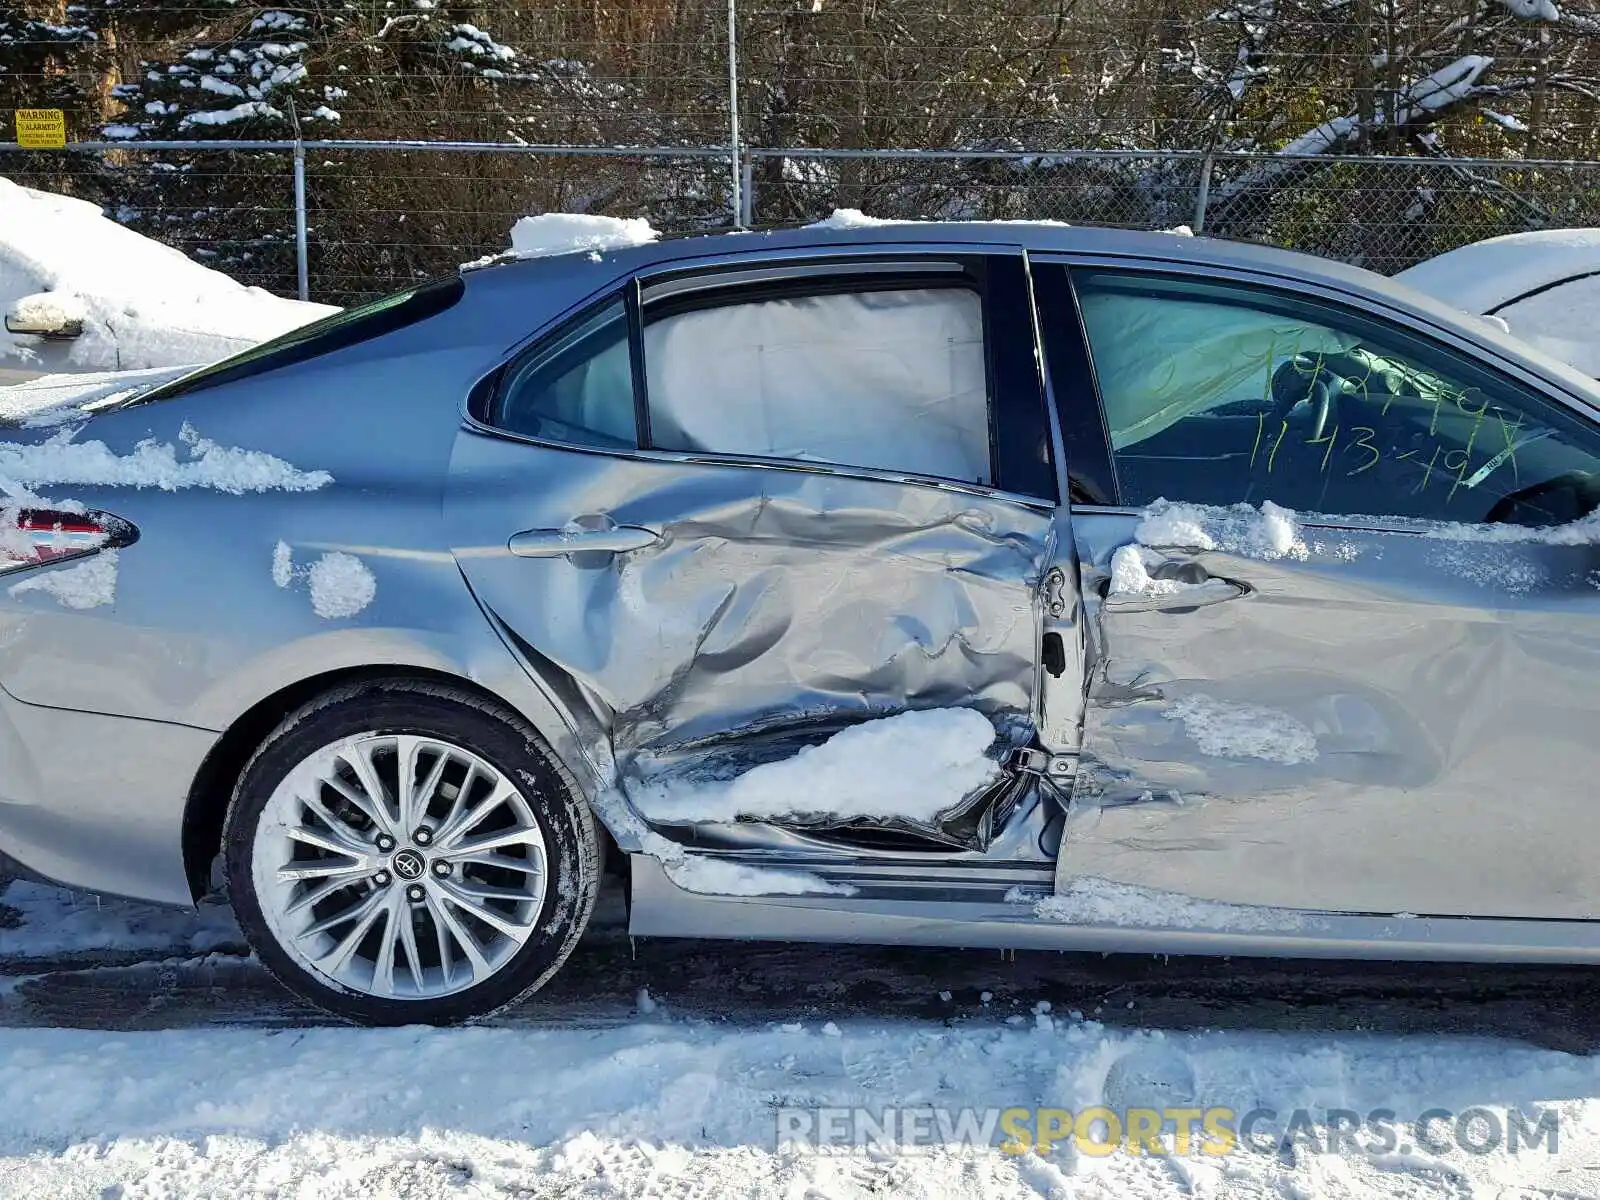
[{"x": 554, "y": 543}]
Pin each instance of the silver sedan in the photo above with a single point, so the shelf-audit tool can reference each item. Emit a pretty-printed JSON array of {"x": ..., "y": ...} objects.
[{"x": 971, "y": 585}]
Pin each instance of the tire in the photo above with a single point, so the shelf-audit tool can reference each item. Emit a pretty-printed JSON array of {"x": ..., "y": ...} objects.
[{"x": 366, "y": 907}]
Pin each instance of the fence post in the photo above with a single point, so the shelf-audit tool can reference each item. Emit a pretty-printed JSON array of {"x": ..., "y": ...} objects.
[
  {"x": 1203, "y": 196},
  {"x": 747, "y": 217},
  {"x": 733, "y": 111},
  {"x": 302, "y": 265}
]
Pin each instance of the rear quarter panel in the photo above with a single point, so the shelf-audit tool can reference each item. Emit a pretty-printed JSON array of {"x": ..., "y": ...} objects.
[{"x": 200, "y": 629}]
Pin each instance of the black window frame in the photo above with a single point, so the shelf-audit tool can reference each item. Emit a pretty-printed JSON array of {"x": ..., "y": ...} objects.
[
  {"x": 1092, "y": 478},
  {"x": 1018, "y": 417}
]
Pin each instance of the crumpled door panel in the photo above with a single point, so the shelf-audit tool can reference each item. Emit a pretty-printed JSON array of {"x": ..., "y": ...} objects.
[
  {"x": 771, "y": 597},
  {"x": 1388, "y": 722}
]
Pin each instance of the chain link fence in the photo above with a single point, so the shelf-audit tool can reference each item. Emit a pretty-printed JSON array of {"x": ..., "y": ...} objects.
[{"x": 344, "y": 221}]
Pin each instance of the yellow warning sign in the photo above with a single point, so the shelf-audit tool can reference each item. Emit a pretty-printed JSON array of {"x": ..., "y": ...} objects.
[{"x": 41, "y": 128}]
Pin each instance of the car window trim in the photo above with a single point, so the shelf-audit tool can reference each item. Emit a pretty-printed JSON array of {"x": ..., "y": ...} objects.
[
  {"x": 633, "y": 305},
  {"x": 1065, "y": 358},
  {"x": 504, "y": 373},
  {"x": 477, "y": 425}
]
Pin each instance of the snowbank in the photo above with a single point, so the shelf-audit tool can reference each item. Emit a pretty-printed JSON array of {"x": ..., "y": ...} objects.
[
  {"x": 142, "y": 304},
  {"x": 51, "y": 921},
  {"x": 914, "y": 766}
]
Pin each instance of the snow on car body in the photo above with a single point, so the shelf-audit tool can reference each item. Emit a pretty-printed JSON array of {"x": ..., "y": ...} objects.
[
  {"x": 1543, "y": 284},
  {"x": 875, "y": 583}
]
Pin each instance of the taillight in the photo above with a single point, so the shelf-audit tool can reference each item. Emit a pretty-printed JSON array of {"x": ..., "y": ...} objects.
[{"x": 30, "y": 537}]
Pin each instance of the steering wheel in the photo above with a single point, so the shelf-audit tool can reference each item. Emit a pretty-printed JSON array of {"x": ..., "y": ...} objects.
[
  {"x": 1303, "y": 380},
  {"x": 1582, "y": 488}
]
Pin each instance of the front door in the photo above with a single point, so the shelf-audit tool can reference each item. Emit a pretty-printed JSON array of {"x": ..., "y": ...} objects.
[
  {"x": 1343, "y": 632},
  {"x": 733, "y": 502}
]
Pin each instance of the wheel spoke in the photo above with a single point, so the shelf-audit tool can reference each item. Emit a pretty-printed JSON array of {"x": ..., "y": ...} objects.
[
  {"x": 357, "y": 911},
  {"x": 341, "y": 953},
  {"x": 338, "y": 829},
  {"x": 329, "y": 842},
  {"x": 459, "y": 825},
  {"x": 408, "y": 938},
  {"x": 517, "y": 930},
  {"x": 447, "y": 963},
  {"x": 429, "y": 788},
  {"x": 462, "y": 937},
  {"x": 314, "y": 896},
  {"x": 405, "y": 755},
  {"x": 488, "y": 858},
  {"x": 373, "y": 812},
  {"x": 471, "y": 889},
  {"x": 360, "y": 760},
  {"x": 494, "y": 841},
  {"x": 338, "y": 874},
  {"x": 383, "y": 968}
]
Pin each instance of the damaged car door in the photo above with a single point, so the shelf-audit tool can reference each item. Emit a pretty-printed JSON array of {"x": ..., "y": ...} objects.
[
  {"x": 1342, "y": 625},
  {"x": 737, "y": 505}
]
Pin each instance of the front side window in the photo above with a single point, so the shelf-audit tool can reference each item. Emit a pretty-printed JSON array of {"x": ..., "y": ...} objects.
[
  {"x": 890, "y": 379},
  {"x": 1221, "y": 393},
  {"x": 575, "y": 388}
]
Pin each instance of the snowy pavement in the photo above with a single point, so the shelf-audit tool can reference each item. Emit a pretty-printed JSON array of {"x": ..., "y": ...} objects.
[{"x": 142, "y": 1055}]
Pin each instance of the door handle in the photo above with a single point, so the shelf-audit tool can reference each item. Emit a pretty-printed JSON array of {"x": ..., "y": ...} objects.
[
  {"x": 1161, "y": 584},
  {"x": 1209, "y": 591},
  {"x": 555, "y": 543}
]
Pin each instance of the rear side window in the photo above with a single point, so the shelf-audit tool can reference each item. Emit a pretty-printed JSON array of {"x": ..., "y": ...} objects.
[
  {"x": 576, "y": 387},
  {"x": 891, "y": 379}
]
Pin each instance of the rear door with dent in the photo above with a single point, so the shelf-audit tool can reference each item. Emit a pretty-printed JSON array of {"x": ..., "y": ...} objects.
[{"x": 742, "y": 500}]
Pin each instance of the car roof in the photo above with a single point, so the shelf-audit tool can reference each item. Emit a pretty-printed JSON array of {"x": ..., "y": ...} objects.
[{"x": 1046, "y": 237}]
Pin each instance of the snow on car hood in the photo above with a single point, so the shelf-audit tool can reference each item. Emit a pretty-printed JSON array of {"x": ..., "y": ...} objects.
[
  {"x": 1486, "y": 274},
  {"x": 142, "y": 304},
  {"x": 1533, "y": 283}
]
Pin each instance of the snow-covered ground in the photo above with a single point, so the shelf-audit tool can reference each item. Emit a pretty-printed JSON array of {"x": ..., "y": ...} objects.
[{"x": 678, "y": 1088}]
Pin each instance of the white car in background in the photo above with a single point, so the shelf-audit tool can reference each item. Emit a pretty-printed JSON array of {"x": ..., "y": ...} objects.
[
  {"x": 81, "y": 293},
  {"x": 1544, "y": 286}
]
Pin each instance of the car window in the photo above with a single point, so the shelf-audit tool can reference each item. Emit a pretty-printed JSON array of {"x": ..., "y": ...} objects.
[
  {"x": 890, "y": 379},
  {"x": 1219, "y": 393},
  {"x": 576, "y": 387}
]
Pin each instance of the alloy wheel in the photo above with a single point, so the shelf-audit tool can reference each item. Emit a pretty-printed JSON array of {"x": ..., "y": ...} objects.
[{"x": 400, "y": 866}]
